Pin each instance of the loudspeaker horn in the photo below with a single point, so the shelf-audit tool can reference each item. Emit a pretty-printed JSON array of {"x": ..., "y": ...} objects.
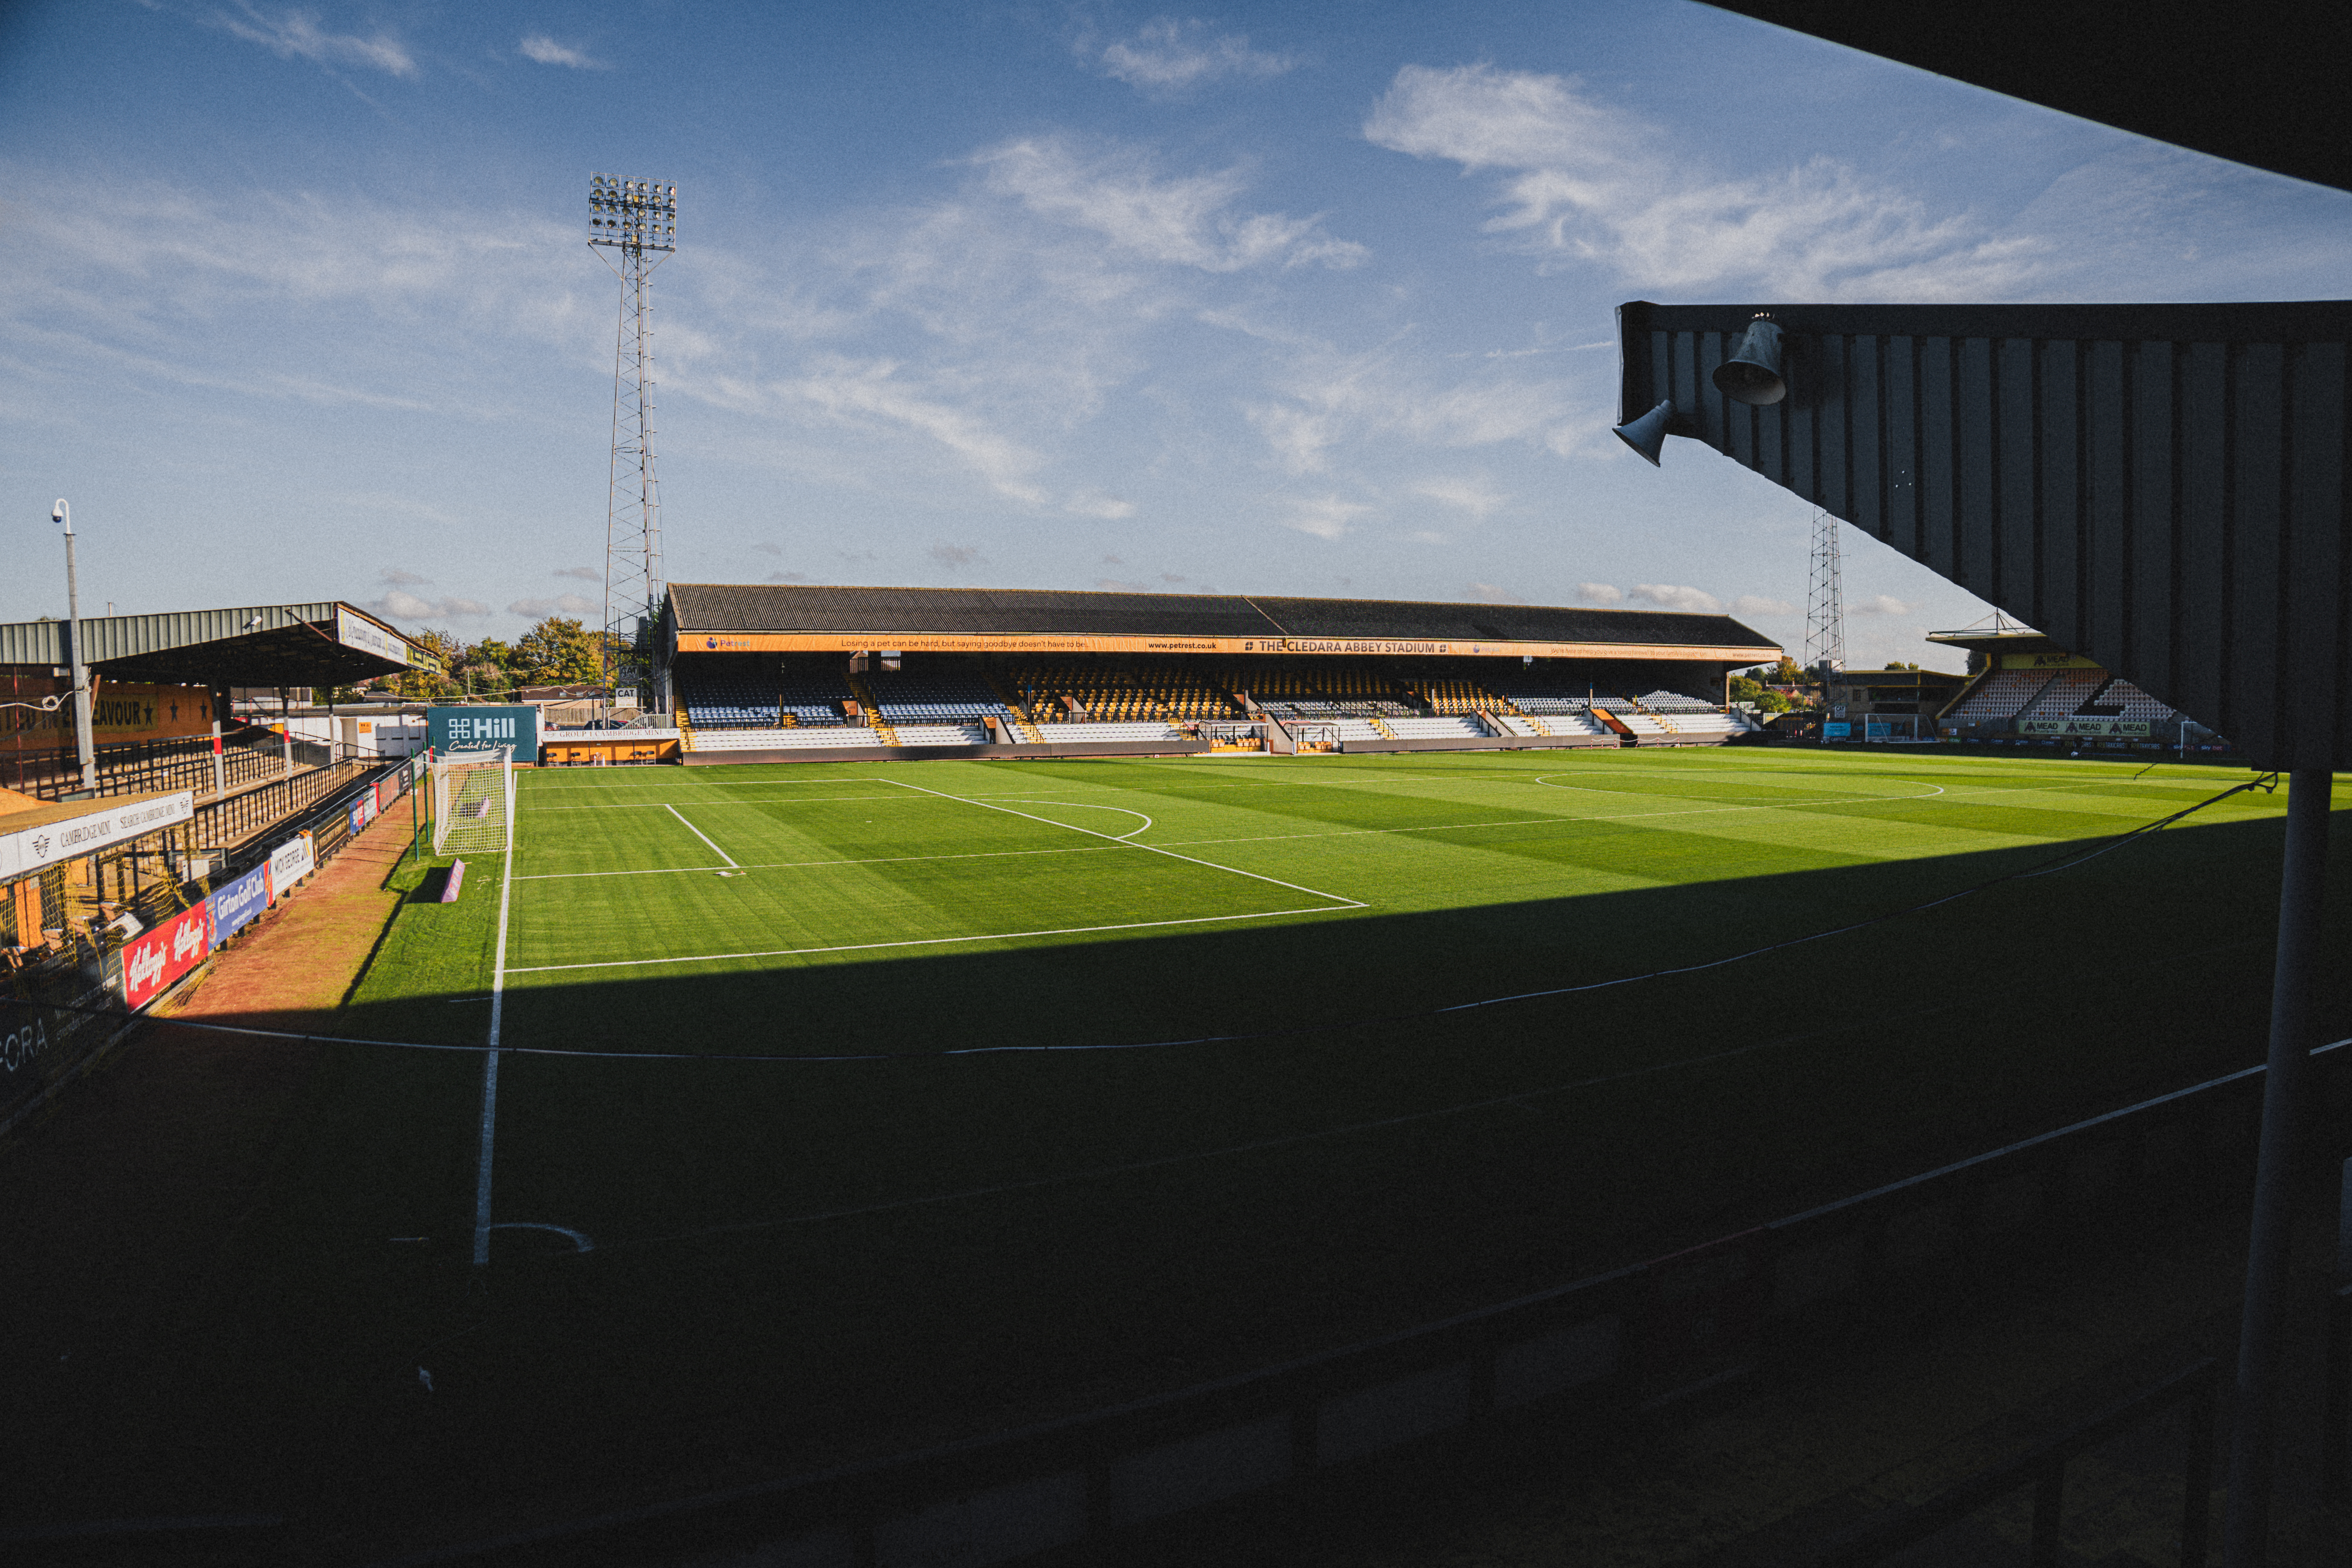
[
  {"x": 1752, "y": 374},
  {"x": 1648, "y": 433}
]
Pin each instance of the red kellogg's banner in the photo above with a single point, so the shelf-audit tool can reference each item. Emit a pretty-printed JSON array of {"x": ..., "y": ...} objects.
[{"x": 160, "y": 956}]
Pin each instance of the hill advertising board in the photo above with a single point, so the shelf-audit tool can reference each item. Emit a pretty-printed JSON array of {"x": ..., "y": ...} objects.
[{"x": 456, "y": 728}]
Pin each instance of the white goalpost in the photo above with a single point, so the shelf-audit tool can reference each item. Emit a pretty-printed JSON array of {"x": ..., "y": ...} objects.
[{"x": 473, "y": 800}]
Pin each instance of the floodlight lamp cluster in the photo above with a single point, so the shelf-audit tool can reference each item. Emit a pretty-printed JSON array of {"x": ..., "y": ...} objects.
[{"x": 636, "y": 214}]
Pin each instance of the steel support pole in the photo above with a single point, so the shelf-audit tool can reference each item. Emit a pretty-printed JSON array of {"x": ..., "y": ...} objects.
[
  {"x": 84, "y": 749},
  {"x": 2286, "y": 1086}
]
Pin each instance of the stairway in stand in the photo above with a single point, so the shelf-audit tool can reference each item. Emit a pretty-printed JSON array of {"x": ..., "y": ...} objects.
[{"x": 864, "y": 694}]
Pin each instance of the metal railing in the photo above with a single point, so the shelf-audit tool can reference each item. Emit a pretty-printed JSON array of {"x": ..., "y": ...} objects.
[
  {"x": 2043, "y": 1467},
  {"x": 1600, "y": 1349}
]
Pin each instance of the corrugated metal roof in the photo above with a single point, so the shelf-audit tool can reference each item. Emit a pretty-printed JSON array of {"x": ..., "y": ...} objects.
[
  {"x": 2158, "y": 488},
  {"x": 726, "y": 607},
  {"x": 253, "y": 644}
]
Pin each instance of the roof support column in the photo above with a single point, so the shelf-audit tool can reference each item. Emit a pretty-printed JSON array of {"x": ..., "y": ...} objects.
[{"x": 2286, "y": 1086}]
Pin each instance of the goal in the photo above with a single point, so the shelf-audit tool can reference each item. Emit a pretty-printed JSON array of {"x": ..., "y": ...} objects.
[{"x": 473, "y": 800}]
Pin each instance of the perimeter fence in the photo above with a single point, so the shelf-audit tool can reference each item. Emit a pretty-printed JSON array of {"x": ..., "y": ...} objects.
[
  {"x": 1594, "y": 1354},
  {"x": 60, "y": 1016}
]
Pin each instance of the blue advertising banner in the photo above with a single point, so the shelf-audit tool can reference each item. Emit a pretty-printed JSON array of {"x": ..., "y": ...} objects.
[
  {"x": 455, "y": 729},
  {"x": 1833, "y": 732},
  {"x": 234, "y": 904}
]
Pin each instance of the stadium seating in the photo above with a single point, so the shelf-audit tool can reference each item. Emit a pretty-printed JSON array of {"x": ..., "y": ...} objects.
[
  {"x": 933, "y": 695},
  {"x": 939, "y": 734},
  {"x": 2000, "y": 697},
  {"x": 2070, "y": 691},
  {"x": 1117, "y": 693},
  {"x": 1452, "y": 727},
  {"x": 729, "y": 692},
  {"x": 1674, "y": 703},
  {"x": 781, "y": 740},
  {"x": 1516, "y": 725},
  {"x": 1110, "y": 731},
  {"x": 1457, "y": 697},
  {"x": 2122, "y": 700}
]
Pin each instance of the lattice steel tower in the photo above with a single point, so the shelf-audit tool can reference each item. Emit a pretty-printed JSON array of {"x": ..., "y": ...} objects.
[
  {"x": 1825, "y": 599},
  {"x": 637, "y": 219}
]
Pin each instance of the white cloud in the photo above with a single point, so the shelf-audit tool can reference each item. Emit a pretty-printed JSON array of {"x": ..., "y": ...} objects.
[
  {"x": 296, "y": 35},
  {"x": 1328, "y": 517},
  {"x": 1330, "y": 399},
  {"x": 1880, "y": 604},
  {"x": 1473, "y": 495},
  {"x": 1671, "y": 596},
  {"x": 562, "y": 604},
  {"x": 1488, "y": 594},
  {"x": 1757, "y": 605},
  {"x": 856, "y": 392},
  {"x": 955, "y": 557},
  {"x": 585, "y": 574},
  {"x": 1169, "y": 56},
  {"x": 392, "y": 576},
  {"x": 790, "y": 577},
  {"x": 1600, "y": 592},
  {"x": 548, "y": 52},
  {"x": 1121, "y": 586},
  {"x": 1583, "y": 180},
  {"x": 1430, "y": 536},
  {"x": 1184, "y": 221},
  {"x": 1094, "y": 503},
  {"x": 398, "y": 605}
]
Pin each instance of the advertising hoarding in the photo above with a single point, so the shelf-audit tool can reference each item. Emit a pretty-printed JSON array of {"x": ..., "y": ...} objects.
[
  {"x": 237, "y": 904},
  {"x": 289, "y": 863},
  {"x": 469, "y": 728},
  {"x": 2083, "y": 726},
  {"x": 357, "y": 631},
  {"x": 154, "y": 959},
  {"x": 1043, "y": 642},
  {"x": 1837, "y": 732},
  {"x": 71, "y": 837},
  {"x": 2047, "y": 661}
]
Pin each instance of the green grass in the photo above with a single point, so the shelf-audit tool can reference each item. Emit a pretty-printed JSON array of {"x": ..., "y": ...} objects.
[{"x": 782, "y": 1266}]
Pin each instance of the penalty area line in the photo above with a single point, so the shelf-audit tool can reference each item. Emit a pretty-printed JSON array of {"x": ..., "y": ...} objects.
[
  {"x": 704, "y": 836},
  {"x": 931, "y": 941}
]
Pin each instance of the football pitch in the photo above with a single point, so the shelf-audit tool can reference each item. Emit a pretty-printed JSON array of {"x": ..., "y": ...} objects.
[{"x": 844, "y": 1105}]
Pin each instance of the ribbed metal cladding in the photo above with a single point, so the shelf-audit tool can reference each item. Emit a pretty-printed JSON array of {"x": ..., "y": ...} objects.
[
  {"x": 2161, "y": 488},
  {"x": 107, "y": 637}
]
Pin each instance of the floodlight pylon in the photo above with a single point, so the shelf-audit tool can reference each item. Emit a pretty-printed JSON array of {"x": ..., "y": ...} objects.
[
  {"x": 1825, "y": 599},
  {"x": 634, "y": 225}
]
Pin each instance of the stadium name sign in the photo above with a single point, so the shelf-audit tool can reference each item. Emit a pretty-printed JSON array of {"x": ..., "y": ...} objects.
[
  {"x": 50, "y": 843},
  {"x": 1029, "y": 642},
  {"x": 2081, "y": 726}
]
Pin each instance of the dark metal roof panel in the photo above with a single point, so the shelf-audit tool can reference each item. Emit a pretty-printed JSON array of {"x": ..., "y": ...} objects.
[
  {"x": 724, "y": 607},
  {"x": 2160, "y": 488},
  {"x": 1423, "y": 620}
]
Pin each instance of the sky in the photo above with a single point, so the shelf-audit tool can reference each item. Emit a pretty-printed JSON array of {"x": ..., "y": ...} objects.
[{"x": 1309, "y": 299}]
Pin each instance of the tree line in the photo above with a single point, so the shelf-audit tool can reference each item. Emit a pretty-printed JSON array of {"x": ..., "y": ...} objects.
[{"x": 557, "y": 651}]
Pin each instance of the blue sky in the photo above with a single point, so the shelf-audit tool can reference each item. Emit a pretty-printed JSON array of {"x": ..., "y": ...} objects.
[{"x": 1300, "y": 299}]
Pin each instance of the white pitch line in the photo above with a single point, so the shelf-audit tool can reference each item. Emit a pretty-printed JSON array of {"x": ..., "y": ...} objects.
[
  {"x": 659, "y": 805},
  {"x": 945, "y": 941},
  {"x": 1154, "y": 848},
  {"x": 801, "y": 865},
  {"x": 704, "y": 836},
  {"x": 490, "y": 1064}
]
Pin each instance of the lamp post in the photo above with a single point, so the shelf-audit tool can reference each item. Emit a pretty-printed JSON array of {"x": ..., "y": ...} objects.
[{"x": 62, "y": 514}]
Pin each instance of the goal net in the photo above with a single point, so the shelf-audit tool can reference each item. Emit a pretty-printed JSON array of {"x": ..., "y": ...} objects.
[{"x": 473, "y": 800}]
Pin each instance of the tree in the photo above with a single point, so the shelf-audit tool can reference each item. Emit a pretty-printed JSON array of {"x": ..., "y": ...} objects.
[
  {"x": 444, "y": 646},
  {"x": 556, "y": 652}
]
